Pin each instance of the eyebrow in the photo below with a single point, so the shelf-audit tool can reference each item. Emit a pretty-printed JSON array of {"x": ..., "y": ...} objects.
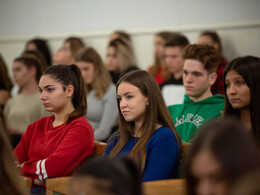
[
  {"x": 239, "y": 77},
  {"x": 126, "y": 93},
  {"x": 46, "y": 86}
]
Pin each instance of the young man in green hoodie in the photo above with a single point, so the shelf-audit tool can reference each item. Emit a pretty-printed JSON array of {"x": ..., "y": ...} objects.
[{"x": 199, "y": 74}]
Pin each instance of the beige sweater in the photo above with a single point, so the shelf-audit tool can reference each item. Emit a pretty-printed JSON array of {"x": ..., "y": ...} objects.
[{"x": 21, "y": 110}]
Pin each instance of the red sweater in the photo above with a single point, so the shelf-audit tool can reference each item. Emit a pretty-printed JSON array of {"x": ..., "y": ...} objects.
[{"x": 54, "y": 152}]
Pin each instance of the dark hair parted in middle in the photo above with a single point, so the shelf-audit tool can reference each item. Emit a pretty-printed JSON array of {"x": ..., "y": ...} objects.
[
  {"x": 206, "y": 54},
  {"x": 156, "y": 113},
  {"x": 249, "y": 68},
  {"x": 71, "y": 75}
]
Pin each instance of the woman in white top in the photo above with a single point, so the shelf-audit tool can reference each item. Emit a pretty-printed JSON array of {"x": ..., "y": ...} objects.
[{"x": 102, "y": 110}]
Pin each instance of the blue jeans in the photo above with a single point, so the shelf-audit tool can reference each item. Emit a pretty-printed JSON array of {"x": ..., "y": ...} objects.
[{"x": 38, "y": 191}]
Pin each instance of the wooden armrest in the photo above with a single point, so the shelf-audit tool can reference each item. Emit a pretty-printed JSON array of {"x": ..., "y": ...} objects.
[
  {"x": 27, "y": 182},
  {"x": 59, "y": 184},
  {"x": 165, "y": 187}
]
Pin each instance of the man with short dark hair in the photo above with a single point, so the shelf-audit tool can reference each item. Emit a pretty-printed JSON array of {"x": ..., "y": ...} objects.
[{"x": 172, "y": 89}]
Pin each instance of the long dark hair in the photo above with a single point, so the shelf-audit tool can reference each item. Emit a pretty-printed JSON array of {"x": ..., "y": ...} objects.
[
  {"x": 249, "y": 68},
  {"x": 5, "y": 81},
  {"x": 9, "y": 176},
  {"x": 231, "y": 144},
  {"x": 156, "y": 113},
  {"x": 71, "y": 75},
  {"x": 42, "y": 46}
]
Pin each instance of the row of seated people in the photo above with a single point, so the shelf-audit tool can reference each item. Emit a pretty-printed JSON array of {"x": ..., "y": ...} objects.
[
  {"x": 102, "y": 112},
  {"x": 139, "y": 101},
  {"x": 210, "y": 169}
]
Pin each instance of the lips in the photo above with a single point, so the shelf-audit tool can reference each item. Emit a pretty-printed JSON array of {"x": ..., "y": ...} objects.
[
  {"x": 189, "y": 87},
  {"x": 234, "y": 100},
  {"x": 46, "y": 104},
  {"x": 125, "y": 112}
]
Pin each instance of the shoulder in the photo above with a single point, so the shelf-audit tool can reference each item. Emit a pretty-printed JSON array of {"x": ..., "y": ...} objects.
[
  {"x": 175, "y": 107},
  {"x": 111, "y": 90},
  {"x": 163, "y": 133},
  {"x": 80, "y": 121}
]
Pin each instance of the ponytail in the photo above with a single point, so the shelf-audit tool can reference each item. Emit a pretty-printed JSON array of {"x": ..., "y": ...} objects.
[{"x": 71, "y": 75}]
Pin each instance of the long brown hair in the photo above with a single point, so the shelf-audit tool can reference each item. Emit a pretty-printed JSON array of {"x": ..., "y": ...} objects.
[
  {"x": 156, "y": 113},
  {"x": 5, "y": 81},
  {"x": 10, "y": 180},
  {"x": 71, "y": 75},
  {"x": 102, "y": 78}
]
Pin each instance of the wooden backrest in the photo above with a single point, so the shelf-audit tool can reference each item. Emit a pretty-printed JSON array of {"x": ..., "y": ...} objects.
[
  {"x": 165, "y": 187},
  {"x": 162, "y": 187},
  {"x": 99, "y": 148},
  {"x": 58, "y": 185}
]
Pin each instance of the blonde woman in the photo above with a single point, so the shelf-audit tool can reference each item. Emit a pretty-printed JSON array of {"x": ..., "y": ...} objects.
[
  {"x": 120, "y": 58},
  {"x": 101, "y": 93}
]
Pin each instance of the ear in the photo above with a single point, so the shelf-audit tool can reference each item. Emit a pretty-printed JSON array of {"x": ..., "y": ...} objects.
[
  {"x": 32, "y": 70},
  {"x": 212, "y": 78},
  {"x": 69, "y": 91}
]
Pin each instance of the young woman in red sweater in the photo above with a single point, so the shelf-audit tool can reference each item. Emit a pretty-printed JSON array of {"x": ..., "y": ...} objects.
[{"x": 53, "y": 146}]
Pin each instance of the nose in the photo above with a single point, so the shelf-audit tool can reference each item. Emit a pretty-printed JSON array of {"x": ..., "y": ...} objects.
[
  {"x": 43, "y": 96},
  {"x": 123, "y": 103},
  {"x": 231, "y": 90},
  {"x": 188, "y": 78}
]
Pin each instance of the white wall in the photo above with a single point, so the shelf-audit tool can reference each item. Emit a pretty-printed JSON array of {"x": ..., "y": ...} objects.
[{"x": 237, "y": 21}]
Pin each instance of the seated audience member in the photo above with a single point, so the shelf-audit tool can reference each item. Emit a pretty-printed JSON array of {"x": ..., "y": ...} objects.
[
  {"x": 158, "y": 69},
  {"x": 26, "y": 107},
  {"x": 66, "y": 54},
  {"x": 107, "y": 176},
  {"x": 222, "y": 152},
  {"x": 199, "y": 74},
  {"x": 212, "y": 38},
  {"x": 172, "y": 89},
  {"x": 146, "y": 130},
  {"x": 10, "y": 181},
  {"x": 5, "y": 84},
  {"x": 101, "y": 93},
  {"x": 35, "y": 55},
  {"x": 41, "y": 46},
  {"x": 242, "y": 93},
  {"x": 120, "y": 34},
  {"x": 120, "y": 58},
  {"x": 54, "y": 145}
]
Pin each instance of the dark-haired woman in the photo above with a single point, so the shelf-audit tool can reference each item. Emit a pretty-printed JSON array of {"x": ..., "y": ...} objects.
[
  {"x": 26, "y": 107},
  {"x": 53, "y": 146},
  {"x": 242, "y": 93}
]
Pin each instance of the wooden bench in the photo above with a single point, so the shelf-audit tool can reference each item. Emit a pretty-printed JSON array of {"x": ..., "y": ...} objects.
[
  {"x": 61, "y": 185},
  {"x": 27, "y": 182},
  {"x": 165, "y": 187}
]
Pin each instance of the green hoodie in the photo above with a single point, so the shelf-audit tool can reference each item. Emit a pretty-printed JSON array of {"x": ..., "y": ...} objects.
[{"x": 188, "y": 117}]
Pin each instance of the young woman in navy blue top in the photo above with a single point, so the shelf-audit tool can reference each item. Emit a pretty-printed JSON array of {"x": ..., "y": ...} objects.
[{"x": 146, "y": 130}]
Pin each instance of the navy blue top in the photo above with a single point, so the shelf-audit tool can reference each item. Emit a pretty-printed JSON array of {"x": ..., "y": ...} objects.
[{"x": 162, "y": 153}]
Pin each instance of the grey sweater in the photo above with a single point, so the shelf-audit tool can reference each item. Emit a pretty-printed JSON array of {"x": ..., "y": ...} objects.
[{"x": 102, "y": 114}]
